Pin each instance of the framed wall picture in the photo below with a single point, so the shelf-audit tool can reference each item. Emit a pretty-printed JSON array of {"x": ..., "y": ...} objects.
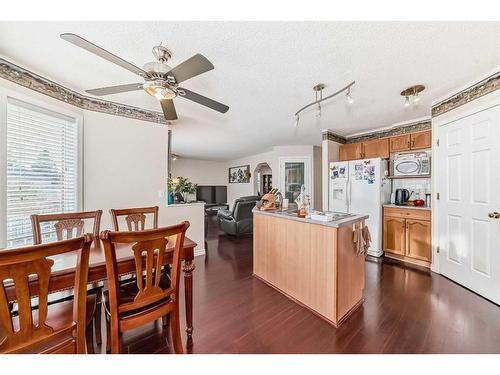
[{"x": 240, "y": 174}]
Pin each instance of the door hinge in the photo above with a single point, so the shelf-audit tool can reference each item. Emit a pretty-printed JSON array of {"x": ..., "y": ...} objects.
[
  {"x": 437, "y": 142},
  {"x": 437, "y": 196},
  {"x": 437, "y": 250}
]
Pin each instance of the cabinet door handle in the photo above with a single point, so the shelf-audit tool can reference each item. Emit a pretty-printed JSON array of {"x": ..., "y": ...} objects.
[
  {"x": 409, "y": 144},
  {"x": 413, "y": 143}
]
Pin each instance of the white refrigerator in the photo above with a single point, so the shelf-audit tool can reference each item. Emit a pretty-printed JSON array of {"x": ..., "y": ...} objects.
[{"x": 361, "y": 187}]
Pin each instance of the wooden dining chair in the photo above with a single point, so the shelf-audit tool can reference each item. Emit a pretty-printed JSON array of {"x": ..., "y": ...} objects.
[
  {"x": 66, "y": 226},
  {"x": 134, "y": 217},
  {"x": 36, "y": 326},
  {"x": 155, "y": 296}
]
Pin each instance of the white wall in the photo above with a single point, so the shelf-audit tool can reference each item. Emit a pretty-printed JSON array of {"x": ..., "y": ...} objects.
[
  {"x": 201, "y": 172},
  {"x": 124, "y": 163},
  {"x": 317, "y": 178},
  {"x": 234, "y": 191},
  {"x": 330, "y": 152}
]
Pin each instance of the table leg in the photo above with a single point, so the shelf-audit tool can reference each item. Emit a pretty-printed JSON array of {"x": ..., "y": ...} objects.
[{"x": 188, "y": 269}]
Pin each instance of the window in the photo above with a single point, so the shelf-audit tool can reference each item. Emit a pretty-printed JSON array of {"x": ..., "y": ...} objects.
[{"x": 42, "y": 168}]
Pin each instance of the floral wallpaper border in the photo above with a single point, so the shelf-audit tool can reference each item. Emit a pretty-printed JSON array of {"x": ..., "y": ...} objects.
[
  {"x": 398, "y": 130},
  {"x": 475, "y": 91},
  {"x": 23, "y": 77},
  {"x": 329, "y": 136}
]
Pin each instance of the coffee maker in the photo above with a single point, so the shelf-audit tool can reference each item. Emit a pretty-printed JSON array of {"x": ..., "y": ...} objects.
[{"x": 402, "y": 196}]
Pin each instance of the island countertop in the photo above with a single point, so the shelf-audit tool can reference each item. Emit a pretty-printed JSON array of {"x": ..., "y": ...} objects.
[{"x": 347, "y": 219}]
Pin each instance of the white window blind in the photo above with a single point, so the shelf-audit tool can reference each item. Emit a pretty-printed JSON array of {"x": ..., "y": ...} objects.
[{"x": 42, "y": 168}]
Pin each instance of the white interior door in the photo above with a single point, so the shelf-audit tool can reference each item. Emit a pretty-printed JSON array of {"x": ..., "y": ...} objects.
[{"x": 468, "y": 171}]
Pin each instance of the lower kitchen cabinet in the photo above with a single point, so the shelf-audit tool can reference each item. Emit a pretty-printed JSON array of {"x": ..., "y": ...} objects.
[
  {"x": 407, "y": 235},
  {"x": 394, "y": 235},
  {"x": 418, "y": 239}
]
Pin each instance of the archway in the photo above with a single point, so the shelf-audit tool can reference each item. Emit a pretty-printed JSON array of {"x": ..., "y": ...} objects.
[{"x": 263, "y": 179}]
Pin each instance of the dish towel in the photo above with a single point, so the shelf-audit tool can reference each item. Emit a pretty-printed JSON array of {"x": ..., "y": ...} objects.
[
  {"x": 367, "y": 238},
  {"x": 361, "y": 238},
  {"x": 357, "y": 239}
]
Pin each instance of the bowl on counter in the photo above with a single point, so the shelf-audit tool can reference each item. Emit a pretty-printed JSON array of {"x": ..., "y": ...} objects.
[{"x": 419, "y": 202}]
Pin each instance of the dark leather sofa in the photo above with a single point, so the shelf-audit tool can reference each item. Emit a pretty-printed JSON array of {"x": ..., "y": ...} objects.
[{"x": 240, "y": 220}]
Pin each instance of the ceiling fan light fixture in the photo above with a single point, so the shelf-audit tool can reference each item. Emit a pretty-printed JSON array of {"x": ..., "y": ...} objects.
[{"x": 160, "y": 90}]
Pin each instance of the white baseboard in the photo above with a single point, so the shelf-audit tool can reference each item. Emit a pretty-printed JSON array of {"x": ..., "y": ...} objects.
[
  {"x": 377, "y": 254},
  {"x": 199, "y": 252}
]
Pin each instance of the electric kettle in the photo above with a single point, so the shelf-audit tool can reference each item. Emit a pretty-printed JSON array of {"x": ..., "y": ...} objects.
[{"x": 402, "y": 196}]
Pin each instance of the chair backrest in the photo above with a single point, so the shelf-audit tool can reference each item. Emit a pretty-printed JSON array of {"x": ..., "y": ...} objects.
[
  {"x": 67, "y": 225},
  {"x": 19, "y": 265},
  {"x": 243, "y": 209},
  {"x": 149, "y": 253},
  {"x": 134, "y": 217}
]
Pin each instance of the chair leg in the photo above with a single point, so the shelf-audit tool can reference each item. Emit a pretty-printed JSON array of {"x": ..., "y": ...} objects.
[
  {"x": 115, "y": 337},
  {"x": 89, "y": 336},
  {"x": 108, "y": 335},
  {"x": 97, "y": 317},
  {"x": 165, "y": 320},
  {"x": 176, "y": 331}
]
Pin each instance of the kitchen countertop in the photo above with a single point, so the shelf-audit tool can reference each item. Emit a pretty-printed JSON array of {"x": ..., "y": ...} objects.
[
  {"x": 334, "y": 223},
  {"x": 391, "y": 205}
]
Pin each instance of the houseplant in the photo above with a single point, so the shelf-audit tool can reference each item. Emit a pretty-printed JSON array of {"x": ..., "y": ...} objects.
[{"x": 181, "y": 185}]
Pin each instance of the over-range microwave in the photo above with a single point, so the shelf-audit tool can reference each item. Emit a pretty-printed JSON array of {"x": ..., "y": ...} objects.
[{"x": 412, "y": 164}]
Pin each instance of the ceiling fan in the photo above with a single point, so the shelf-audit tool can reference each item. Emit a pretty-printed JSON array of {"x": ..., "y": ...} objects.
[{"x": 160, "y": 80}]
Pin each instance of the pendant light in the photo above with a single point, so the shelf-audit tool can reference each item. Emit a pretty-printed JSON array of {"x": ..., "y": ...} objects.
[{"x": 412, "y": 94}]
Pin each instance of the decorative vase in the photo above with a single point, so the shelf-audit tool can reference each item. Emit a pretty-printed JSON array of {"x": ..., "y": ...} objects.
[{"x": 170, "y": 198}]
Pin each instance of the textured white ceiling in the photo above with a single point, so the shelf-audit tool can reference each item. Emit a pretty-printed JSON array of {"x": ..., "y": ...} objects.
[{"x": 265, "y": 71}]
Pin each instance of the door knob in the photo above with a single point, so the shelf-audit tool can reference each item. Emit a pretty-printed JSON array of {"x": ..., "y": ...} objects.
[{"x": 494, "y": 215}]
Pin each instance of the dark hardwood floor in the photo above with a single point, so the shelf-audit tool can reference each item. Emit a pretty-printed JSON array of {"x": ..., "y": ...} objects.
[{"x": 406, "y": 310}]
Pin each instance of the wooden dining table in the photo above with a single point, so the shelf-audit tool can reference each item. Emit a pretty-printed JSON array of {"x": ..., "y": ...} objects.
[{"x": 63, "y": 271}]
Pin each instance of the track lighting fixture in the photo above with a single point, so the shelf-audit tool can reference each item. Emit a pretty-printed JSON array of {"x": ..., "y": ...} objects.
[
  {"x": 319, "y": 98},
  {"x": 348, "y": 96}
]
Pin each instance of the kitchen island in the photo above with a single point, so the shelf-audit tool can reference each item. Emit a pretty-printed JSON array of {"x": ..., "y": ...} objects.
[{"x": 314, "y": 263}]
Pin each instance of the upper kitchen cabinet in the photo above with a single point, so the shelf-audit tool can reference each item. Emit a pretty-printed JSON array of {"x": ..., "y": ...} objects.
[
  {"x": 378, "y": 148},
  {"x": 421, "y": 140},
  {"x": 351, "y": 151},
  {"x": 381, "y": 148},
  {"x": 400, "y": 143},
  {"x": 413, "y": 141}
]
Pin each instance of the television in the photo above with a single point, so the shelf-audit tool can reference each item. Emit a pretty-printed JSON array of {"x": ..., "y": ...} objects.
[{"x": 211, "y": 194}]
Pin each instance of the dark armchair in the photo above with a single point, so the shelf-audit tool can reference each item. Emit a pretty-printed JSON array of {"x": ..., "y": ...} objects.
[{"x": 240, "y": 219}]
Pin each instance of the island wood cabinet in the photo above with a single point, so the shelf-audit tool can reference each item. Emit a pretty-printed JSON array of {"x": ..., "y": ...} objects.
[
  {"x": 407, "y": 234},
  {"x": 412, "y": 141},
  {"x": 377, "y": 148},
  {"x": 313, "y": 263}
]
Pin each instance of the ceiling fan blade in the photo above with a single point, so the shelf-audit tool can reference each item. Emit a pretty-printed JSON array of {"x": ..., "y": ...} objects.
[
  {"x": 203, "y": 100},
  {"x": 190, "y": 68},
  {"x": 168, "y": 108},
  {"x": 115, "y": 89},
  {"x": 91, "y": 47}
]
